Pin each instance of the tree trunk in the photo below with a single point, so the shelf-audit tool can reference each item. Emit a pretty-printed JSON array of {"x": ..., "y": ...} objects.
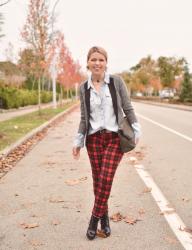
[{"x": 39, "y": 95}]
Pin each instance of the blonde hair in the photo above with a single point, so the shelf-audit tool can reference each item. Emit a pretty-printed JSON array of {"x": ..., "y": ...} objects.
[{"x": 97, "y": 49}]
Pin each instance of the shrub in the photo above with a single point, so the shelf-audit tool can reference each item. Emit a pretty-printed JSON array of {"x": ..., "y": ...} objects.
[{"x": 15, "y": 98}]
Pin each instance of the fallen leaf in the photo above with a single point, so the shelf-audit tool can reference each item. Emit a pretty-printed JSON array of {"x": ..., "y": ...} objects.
[
  {"x": 72, "y": 182},
  {"x": 29, "y": 225},
  {"x": 131, "y": 220},
  {"x": 34, "y": 216},
  {"x": 141, "y": 211},
  {"x": 101, "y": 234},
  {"x": 170, "y": 211},
  {"x": 83, "y": 178},
  {"x": 147, "y": 190},
  {"x": 56, "y": 200},
  {"x": 186, "y": 229},
  {"x": 185, "y": 199},
  {"x": 116, "y": 217},
  {"x": 56, "y": 222}
]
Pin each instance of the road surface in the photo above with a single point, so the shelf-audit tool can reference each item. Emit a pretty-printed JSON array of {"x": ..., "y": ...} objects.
[{"x": 46, "y": 199}]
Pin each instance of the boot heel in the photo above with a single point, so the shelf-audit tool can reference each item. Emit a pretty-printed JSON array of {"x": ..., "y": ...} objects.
[
  {"x": 92, "y": 229},
  {"x": 105, "y": 227}
]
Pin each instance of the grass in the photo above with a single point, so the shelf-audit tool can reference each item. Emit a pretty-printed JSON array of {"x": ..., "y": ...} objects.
[{"x": 15, "y": 128}]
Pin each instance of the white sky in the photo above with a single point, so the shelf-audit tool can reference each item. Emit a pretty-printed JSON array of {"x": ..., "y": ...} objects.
[{"x": 127, "y": 29}]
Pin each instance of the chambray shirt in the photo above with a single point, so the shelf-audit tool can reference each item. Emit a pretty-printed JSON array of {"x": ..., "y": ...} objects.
[{"x": 102, "y": 115}]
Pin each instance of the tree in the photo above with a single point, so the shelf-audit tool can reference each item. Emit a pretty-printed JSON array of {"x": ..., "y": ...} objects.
[
  {"x": 169, "y": 68},
  {"x": 27, "y": 65},
  {"x": 68, "y": 70},
  {"x": 186, "y": 87},
  {"x": 36, "y": 33},
  {"x": 144, "y": 77}
]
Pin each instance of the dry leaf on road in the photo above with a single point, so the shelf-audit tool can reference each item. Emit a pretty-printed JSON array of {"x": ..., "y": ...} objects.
[
  {"x": 72, "y": 182},
  {"x": 101, "y": 234},
  {"x": 147, "y": 190},
  {"x": 170, "y": 211},
  {"x": 141, "y": 211},
  {"x": 56, "y": 222},
  {"x": 185, "y": 199},
  {"x": 56, "y": 200},
  {"x": 131, "y": 220},
  {"x": 116, "y": 217},
  {"x": 75, "y": 181},
  {"x": 29, "y": 225},
  {"x": 186, "y": 229}
]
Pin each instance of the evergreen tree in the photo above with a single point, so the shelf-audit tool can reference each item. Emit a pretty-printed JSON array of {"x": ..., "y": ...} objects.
[{"x": 186, "y": 87}]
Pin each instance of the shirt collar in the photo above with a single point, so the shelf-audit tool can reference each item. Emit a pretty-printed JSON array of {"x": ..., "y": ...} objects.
[{"x": 106, "y": 80}]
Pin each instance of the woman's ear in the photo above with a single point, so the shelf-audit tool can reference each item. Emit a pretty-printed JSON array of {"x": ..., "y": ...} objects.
[{"x": 87, "y": 67}]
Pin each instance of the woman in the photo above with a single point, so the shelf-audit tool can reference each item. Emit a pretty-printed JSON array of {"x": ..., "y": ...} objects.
[{"x": 104, "y": 101}]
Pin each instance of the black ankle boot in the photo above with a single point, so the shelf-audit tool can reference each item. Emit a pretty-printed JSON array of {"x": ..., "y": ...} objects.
[
  {"x": 105, "y": 227},
  {"x": 92, "y": 229}
]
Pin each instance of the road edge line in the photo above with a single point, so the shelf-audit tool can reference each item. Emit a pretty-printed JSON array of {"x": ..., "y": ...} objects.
[{"x": 173, "y": 219}]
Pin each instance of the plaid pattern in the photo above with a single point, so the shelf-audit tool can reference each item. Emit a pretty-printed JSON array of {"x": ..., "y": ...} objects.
[{"x": 104, "y": 154}]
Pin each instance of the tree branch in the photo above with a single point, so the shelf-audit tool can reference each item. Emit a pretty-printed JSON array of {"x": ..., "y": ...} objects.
[{"x": 1, "y": 4}]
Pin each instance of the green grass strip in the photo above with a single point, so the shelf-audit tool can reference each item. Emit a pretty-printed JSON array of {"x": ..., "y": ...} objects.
[{"x": 13, "y": 129}]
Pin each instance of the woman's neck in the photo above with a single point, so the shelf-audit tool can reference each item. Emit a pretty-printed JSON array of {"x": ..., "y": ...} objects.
[{"x": 97, "y": 78}]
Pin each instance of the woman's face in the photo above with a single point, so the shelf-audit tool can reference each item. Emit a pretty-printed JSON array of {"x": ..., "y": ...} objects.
[{"x": 97, "y": 63}]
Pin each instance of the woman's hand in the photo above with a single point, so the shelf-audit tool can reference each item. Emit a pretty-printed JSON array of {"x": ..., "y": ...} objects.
[{"x": 76, "y": 152}]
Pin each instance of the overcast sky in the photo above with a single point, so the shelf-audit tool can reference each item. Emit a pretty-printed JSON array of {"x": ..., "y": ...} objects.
[{"x": 127, "y": 29}]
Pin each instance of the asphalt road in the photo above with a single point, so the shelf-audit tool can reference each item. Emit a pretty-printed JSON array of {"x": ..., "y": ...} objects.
[
  {"x": 167, "y": 134},
  {"x": 46, "y": 199}
]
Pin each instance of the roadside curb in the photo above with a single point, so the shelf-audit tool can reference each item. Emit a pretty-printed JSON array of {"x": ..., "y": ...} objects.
[
  {"x": 29, "y": 135},
  {"x": 173, "y": 106}
]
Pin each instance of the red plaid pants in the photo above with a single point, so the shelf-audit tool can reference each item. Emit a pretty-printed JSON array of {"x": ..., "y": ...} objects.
[{"x": 104, "y": 154}]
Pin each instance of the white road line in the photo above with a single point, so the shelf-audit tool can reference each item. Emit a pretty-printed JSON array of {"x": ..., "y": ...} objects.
[
  {"x": 169, "y": 213},
  {"x": 165, "y": 127}
]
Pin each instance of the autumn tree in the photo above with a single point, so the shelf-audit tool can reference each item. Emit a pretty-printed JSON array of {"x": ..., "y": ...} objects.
[
  {"x": 37, "y": 34},
  {"x": 186, "y": 88},
  {"x": 68, "y": 70},
  {"x": 143, "y": 76},
  {"x": 169, "y": 68},
  {"x": 27, "y": 64}
]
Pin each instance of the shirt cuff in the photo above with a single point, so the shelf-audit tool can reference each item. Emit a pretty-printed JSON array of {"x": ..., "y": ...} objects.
[
  {"x": 79, "y": 140},
  {"x": 137, "y": 129}
]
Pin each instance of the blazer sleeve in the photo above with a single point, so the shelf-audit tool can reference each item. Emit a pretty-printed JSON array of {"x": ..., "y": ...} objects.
[
  {"x": 82, "y": 124},
  {"x": 126, "y": 102}
]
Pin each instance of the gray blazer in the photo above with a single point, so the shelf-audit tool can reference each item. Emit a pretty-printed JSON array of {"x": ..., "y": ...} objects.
[{"x": 121, "y": 103}]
